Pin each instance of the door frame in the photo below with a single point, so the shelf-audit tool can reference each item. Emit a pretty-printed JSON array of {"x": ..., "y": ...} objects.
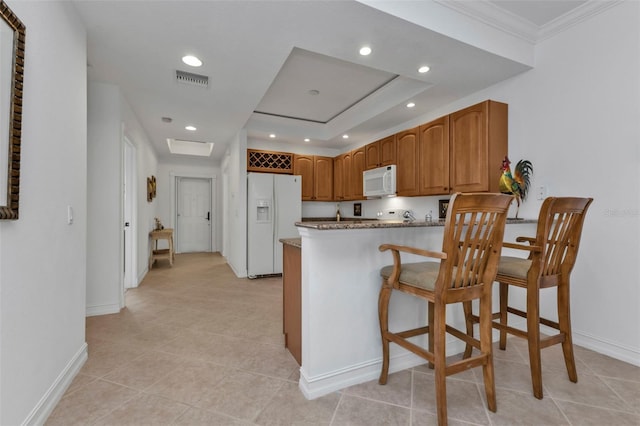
[
  {"x": 130, "y": 175},
  {"x": 174, "y": 204}
]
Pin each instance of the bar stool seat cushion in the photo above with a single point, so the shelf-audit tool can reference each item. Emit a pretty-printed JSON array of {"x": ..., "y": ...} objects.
[
  {"x": 420, "y": 274},
  {"x": 516, "y": 267}
]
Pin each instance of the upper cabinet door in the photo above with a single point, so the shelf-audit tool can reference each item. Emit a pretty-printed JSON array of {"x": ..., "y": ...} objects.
[
  {"x": 347, "y": 174},
  {"x": 372, "y": 155},
  {"x": 407, "y": 160},
  {"x": 387, "y": 150},
  {"x": 469, "y": 149},
  {"x": 357, "y": 168},
  {"x": 434, "y": 157},
  {"x": 380, "y": 153},
  {"x": 303, "y": 166},
  {"x": 323, "y": 170},
  {"x": 338, "y": 178},
  {"x": 479, "y": 142}
]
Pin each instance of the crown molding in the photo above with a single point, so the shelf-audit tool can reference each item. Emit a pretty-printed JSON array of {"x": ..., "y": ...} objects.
[
  {"x": 575, "y": 16},
  {"x": 490, "y": 14}
]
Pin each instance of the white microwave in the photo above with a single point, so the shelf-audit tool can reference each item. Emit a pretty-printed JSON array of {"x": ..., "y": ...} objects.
[{"x": 379, "y": 182}]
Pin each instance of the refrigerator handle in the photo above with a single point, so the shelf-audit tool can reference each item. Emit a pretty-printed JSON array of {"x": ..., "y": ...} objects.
[
  {"x": 275, "y": 210},
  {"x": 208, "y": 215}
]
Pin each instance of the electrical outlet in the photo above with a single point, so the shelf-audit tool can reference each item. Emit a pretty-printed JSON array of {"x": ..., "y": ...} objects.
[{"x": 542, "y": 192}]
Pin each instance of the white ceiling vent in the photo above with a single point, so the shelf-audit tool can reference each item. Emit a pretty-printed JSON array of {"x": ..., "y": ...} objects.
[{"x": 192, "y": 79}]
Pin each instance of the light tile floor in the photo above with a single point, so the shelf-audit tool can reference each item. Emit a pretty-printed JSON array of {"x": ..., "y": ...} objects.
[{"x": 198, "y": 346}]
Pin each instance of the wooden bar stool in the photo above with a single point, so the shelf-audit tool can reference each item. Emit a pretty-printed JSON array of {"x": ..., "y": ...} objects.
[
  {"x": 465, "y": 270},
  {"x": 552, "y": 254}
]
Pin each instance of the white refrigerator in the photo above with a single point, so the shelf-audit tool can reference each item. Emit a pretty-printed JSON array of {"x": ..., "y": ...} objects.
[{"x": 274, "y": 204}]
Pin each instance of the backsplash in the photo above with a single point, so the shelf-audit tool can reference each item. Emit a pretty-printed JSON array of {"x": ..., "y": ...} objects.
[{"x": 420, "y": 206}]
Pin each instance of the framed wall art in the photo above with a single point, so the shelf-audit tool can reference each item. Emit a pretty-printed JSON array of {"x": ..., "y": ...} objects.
[{"x": 12, "y": 42}]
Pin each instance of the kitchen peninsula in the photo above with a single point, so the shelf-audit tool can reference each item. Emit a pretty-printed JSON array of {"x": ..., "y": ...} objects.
[{"x": 339, "y": 283}]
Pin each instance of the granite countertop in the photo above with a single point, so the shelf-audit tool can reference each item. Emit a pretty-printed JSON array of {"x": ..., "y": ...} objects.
[
  {"x": 295, "y": 242},
  {"x": 374, "y": 223}
]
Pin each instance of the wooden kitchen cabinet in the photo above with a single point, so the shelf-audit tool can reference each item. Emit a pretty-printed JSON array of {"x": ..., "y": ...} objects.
[
  {"x": 380, "y": 153},
  {"x": 303, "y": 166},
  {"x": 338, "y": 178},
  {"x": 317, "y": 176},
  {"x": 323, "y": 178},
  {"x": 433, "y": 157},
  {"x": 407, "y": 162},
  {"x": 357, "y": 168},
  {"x": 478, "y": 144},
  {"x": 292, "y": 300},
  {"x": 347, "y": 175},
  {"x": 347, "y": 172},
  {"x": 460, "y": 152}
]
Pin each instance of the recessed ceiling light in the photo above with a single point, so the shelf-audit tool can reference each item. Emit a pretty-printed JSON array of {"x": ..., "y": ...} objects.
[
  {"x": 272, "y": 135},
  {"x": 190, "y": 128},
  {"x": 423, "y": 69},
  {"x": 307, "y": 140},
  {"x": 192, "y": 61},
  {"x": 345, "y": 136},
  {"x": 410, "y": 105},
  {"x": 365, "y": 50}
]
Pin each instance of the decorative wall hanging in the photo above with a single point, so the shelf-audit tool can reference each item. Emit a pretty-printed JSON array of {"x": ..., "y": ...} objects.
[
  {"x": 151, "y": 188},
  {"x": 12, "y": 42}
]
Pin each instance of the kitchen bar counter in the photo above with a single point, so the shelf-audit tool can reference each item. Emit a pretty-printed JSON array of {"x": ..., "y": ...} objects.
[
  {"x": 374, "y": 223},
  {"x": 339, "y": 287},
  {"x": 295, "y": 242}
]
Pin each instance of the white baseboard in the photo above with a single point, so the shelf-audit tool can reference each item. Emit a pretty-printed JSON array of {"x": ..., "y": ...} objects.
[
  {"x": 614, "y": 350},
  {"x": 48, "y": 402},
  {"x": 588, "y": 341},
  {"x": 318, "y": 386},
  {"x": 110, "y": 308},
  {"x": 142, "y": 275},
  {"x": 315, "y": 387},
  {"x": 238, "y": 273}
]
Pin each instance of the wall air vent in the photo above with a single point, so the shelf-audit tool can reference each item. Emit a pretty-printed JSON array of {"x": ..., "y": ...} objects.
[{"x": 192, "y": 79}]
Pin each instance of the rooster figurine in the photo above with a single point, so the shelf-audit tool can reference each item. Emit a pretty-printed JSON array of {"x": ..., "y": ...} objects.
[{"x": 518, "y": 183}]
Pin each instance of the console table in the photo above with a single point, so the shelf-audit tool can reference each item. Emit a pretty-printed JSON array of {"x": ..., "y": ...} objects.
[{"x": 165, "y": 253}]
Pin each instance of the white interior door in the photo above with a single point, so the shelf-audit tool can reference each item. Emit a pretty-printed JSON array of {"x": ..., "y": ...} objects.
[{"x": 194, "y": 214}]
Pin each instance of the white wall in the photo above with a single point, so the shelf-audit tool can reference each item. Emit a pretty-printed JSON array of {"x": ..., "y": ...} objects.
[
  {"x": 147, "y": 165},
  {"x": 575, "y": 116},
  {"x": 42, "y": 258},
  {"x": 109, "y": 119},
  {"x": 104, "y": 204},
  {"x": 234, "y": 166}
]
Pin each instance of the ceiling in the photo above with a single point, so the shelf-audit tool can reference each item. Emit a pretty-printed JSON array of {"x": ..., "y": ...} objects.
[{"x": 292, "y": 68}]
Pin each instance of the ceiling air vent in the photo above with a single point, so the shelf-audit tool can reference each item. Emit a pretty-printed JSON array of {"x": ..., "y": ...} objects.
[{"x": 192, "y": 79}]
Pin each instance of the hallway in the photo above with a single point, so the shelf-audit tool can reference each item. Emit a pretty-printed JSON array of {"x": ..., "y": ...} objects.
[{"x": 198, "y": 346}]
